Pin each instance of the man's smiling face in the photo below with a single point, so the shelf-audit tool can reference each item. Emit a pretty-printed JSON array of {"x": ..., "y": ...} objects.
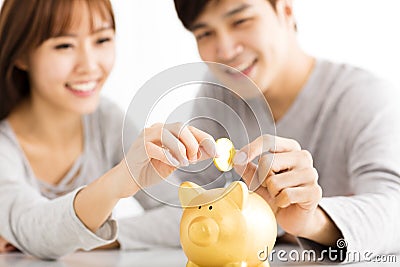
[{"x": 247, "y": 35}]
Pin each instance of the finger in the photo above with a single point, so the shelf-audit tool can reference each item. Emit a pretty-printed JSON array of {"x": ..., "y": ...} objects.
[
  {"x": 278, "y": 182},
  {"x": 306, "y": 197},
  {"x": 202, "y": 154},
  {"x": 205, "y": 141},
  {"x": 265, "y": 143},
  {"x": 187, "y": 138},
  {"x": 279, "y": 162},
  {"x": 176, "y": 147},
  {"x": 156, "y": 152},
  {"x": 153, "y": 133},
  {"x": 263, "y": 192},
  {"x": 162, "y": 137},
  {"x": 163, "y": 170},
  {"x": 147, "y": 174},
  {"x": 249, "y": 175},
  {"x": 6, "y": 247},
  {"x": 10, "y": 248}
]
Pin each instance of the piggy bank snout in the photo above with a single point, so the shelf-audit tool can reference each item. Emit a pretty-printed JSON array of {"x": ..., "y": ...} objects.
[{"x": 203, "y": 231}]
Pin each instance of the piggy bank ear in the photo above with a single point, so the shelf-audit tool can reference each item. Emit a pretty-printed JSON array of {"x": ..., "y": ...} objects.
[
  {"x": 188, "y": 191},
  {"x": 238, "y": 192}
]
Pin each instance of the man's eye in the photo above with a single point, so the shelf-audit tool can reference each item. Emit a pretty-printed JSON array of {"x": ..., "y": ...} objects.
[
  {"x": 203, "y": 35},
  {"x": 63, "y": 46}
]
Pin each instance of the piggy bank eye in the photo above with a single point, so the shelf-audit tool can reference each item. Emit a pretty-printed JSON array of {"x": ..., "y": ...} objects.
[
  {"x": 199, "y": 207},
  {"x": 210, "y": 208}
]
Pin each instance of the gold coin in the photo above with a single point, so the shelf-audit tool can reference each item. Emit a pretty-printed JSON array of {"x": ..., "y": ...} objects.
[{"x": 226, "y": 153}]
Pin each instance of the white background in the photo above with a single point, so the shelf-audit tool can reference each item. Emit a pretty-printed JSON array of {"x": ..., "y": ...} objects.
[{"x": 150, "y": 38}]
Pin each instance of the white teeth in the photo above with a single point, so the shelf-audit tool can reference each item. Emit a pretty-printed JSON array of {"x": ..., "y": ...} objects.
[
  {"x": 238, "y": 69},
  {"x": 83, "y": 87}
]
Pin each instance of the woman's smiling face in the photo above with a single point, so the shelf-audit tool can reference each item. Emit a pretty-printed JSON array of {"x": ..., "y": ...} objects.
[{"x": 67, "y": 71}]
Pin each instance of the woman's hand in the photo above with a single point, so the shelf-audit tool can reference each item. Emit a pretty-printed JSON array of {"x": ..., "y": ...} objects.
[
  {"x": 5, "y": 246},
  {"x": 155, "y": 154},
  {"x": 162, "y": 148}
]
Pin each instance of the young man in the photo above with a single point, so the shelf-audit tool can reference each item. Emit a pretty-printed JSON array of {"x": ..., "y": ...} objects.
[{"x": 343, "y": 125}]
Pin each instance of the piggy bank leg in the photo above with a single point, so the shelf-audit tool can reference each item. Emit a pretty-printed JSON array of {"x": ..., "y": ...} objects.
[{"x": 191, "y": 264}]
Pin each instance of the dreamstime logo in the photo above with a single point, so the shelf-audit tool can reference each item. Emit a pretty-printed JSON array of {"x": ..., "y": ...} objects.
[
  {"x": 341, "y": 243},
  {"x": 340, "y": 253}
]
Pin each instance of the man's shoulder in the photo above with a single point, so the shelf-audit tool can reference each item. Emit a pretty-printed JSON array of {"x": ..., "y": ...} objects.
[
  {"x": 345, "y": 74},
  {"x": 356, "y": 97},
  {"x": 352, "y": 83}
]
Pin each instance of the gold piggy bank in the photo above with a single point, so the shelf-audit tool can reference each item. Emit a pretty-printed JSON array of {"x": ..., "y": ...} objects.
[{"x": 225, "y": 226}]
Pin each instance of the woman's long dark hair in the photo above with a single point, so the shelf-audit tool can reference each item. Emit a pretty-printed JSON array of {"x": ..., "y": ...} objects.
[{"x": 24, "y": 25}]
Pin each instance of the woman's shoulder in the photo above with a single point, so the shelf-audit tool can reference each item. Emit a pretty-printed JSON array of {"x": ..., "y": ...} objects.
[
  {"x": 10, "y": 154},
  {"x": 107, "y": 124},
  {"x": 107, "y": 116},
  {"x": 108, "y": 109},
  {"x": 7, "y": 138}
]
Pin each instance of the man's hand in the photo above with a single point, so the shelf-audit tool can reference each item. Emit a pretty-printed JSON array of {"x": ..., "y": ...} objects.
[{"x": 286, "y": 179}]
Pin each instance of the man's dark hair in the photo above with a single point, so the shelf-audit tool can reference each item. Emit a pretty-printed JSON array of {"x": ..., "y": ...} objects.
[{"x": 189, "y": 10}]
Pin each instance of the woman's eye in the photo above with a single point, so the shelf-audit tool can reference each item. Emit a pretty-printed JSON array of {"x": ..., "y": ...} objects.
[
  {"x": 63, "y": 46},
  {"x": 103, "y": 40},
  {"x": 241, "y": 21}
]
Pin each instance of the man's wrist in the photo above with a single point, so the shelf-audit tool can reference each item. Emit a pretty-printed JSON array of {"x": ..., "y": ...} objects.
[{"x": 322, "y": 229}]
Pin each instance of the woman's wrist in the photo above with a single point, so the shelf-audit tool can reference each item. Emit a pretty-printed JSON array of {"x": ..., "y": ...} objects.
[
  {"x": 94, "y": 203},
  {"x": 123, "y": 184}
]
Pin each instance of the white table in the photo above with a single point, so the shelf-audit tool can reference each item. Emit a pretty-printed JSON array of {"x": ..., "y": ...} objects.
[{"x": 141, "y": 258}]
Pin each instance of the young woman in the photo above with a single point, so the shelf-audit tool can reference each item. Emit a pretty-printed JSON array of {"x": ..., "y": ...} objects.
[{"x": 62, "y": 168}]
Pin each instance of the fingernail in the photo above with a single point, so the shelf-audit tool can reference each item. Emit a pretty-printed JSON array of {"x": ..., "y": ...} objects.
[
  {"x": 199, "y": 154},
  {"x": 172, "y": 159},
  {"x": 210, "y": 148},
  {"x": 185, "y": 162},
  {"x": 193, "y": 158},
  {"x": 240, "y": 158},
  {"x": 254, "y": 183}
]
